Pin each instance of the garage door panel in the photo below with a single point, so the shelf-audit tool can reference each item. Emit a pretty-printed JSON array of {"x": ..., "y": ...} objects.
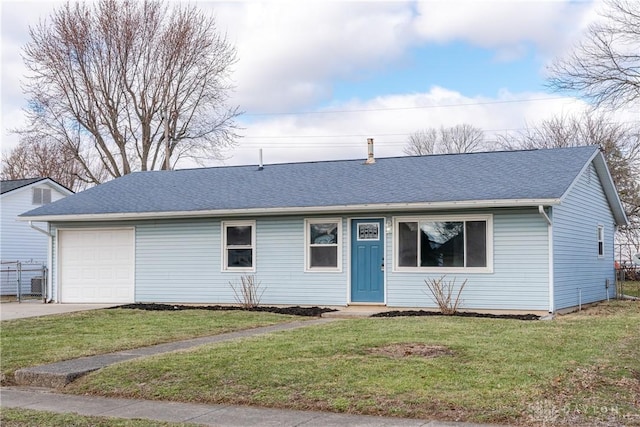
[{"x": 96, "y": 265}]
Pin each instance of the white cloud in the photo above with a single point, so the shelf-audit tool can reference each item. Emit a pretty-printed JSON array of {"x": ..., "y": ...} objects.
[
  {"x": 390, "y": 120},
  {"x": 508, "y": 26},
  {"x": 289, "y": 51},
  {"x": 292, "y": 52},
  {"x": 16, "y": 17}
]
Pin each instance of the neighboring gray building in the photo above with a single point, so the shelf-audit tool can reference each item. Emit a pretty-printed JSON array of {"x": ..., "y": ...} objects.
[
  {"x": 18, "y": 241},
  {"x": 529, "y": 230}
]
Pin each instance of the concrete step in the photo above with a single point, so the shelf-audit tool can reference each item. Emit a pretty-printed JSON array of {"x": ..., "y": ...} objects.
[{"x": 355, "y": 311}]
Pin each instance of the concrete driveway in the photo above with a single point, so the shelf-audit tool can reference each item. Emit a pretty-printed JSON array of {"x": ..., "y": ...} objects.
[{"x": 19, "y": 310}]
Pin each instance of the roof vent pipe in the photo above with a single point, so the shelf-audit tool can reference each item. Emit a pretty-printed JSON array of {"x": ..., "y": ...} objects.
[
  {"x": 370, "y": 159},
  {"x": 260, "y": 165}
]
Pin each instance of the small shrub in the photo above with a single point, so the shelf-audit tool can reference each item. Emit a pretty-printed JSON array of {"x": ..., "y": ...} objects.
[
  {"x": 247, "y": 291},
  {"x": 443, "y": 293}
]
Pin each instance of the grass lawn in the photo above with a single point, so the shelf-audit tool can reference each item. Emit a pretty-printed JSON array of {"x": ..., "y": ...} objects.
[
  {"x": 39, "y": 340},
  {"x": 28, "y": 418},
  {"x": 579, "y": 369},
  {"x": 631, "y": 288}
]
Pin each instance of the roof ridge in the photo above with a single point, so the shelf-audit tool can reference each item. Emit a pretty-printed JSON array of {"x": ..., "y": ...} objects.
[{"x": 489, "y": 152}]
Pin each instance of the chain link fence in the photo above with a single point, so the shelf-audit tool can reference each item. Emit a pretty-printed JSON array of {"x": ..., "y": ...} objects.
[
  {"x": 23, "y": 280},
  {"x": 627, "y": 270}
]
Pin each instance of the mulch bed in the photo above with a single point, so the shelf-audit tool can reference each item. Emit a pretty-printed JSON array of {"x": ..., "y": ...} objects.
[
  {"x": 294, "y": 311},
  {"x": 401, "y": 313},
  {"x": 317, "y": 311}
]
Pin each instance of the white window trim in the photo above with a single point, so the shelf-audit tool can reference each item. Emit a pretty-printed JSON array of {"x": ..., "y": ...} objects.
[
  {"x": 600, "y": 240},
  {"x": 444, "y": 218},
  {"x": 223, "y": 230},
  {"x": 307, "y": 246}
]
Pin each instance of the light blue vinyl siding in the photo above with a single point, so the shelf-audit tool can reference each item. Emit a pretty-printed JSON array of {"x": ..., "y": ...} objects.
[
  {"x": 520, "y": 270},
  {"x": 180, "y": 261},
  {"x": 280, "y": 266},
  {"x": 578, "y": 271},
  {"x": 20, "y": 242}
]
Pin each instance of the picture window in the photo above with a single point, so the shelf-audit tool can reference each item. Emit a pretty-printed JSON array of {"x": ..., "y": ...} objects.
[{"x": 441, "y": 243}]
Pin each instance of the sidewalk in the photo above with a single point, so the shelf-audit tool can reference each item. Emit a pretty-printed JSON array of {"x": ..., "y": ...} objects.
[{"x": 207, "y": 415}]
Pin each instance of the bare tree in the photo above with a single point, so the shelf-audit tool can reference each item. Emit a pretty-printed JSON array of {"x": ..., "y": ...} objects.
[
  {"x": 462, "y": 138},
  {"x": 422, "y": 142},
  {"x": 620, "y": 145},
  {"x": 39, "y": 159},
  {"x": 126, "y": 84},
  {"x": 605, "y": 67}
]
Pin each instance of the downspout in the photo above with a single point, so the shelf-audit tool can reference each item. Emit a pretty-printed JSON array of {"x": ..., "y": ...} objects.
[
  {"x": 550, "y": 239},
  {"x": 49, "y": 259}
]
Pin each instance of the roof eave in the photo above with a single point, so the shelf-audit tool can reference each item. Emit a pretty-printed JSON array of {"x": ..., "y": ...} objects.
[
  {"x": 608, "y": 186},
  {"x": 384, "y": 207},
  {"x": 610, "y": 190}
]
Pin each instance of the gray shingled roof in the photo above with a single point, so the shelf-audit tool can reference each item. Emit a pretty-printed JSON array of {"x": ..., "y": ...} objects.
[
  {"x": 507, "y": 175},
  {"x": 14, "y": 184}
]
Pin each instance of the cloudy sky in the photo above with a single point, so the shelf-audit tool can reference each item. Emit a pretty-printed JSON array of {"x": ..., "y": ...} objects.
[{"x": 317, "y": 78}]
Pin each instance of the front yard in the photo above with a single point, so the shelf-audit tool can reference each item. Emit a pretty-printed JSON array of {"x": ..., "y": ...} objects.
[
  {"x": 582, "y": 368},
  {"x": 40, "y": 340}
]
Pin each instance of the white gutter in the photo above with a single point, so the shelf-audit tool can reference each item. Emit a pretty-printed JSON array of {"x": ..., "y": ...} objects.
[
  {"x": 544, "y": 214},
  {"x": 296, "y": 210},
  {"x": 550, "y": 249},
  {"x": 49, "y": 259}
]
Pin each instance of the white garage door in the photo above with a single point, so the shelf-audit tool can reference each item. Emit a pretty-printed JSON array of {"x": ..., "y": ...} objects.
[{"x": 96, "y": 266}]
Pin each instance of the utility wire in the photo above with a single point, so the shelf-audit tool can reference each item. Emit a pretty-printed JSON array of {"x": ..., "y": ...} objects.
[{"x": 399, "y": 134}]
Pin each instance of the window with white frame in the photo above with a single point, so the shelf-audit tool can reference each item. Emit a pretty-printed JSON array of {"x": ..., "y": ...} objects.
[
  {"x": 239, "y": 245},
  {"x": 41, "y": 196},
  {"x": 322, "y": 237},
  {"x": 438, "y": 243},
  {"x": 600, "y": 236}
]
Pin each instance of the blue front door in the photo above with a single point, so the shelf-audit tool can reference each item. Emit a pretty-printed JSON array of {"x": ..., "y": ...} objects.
[{"x": 367, "y": 260}]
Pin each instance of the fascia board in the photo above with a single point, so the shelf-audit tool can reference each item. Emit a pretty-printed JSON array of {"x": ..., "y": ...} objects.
[
  {"x": 385, "y": 207},
  {"x": 610, "y": 190}
]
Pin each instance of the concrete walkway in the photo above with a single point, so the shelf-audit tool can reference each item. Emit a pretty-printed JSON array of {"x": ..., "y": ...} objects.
[
  {"x": 35, "y": 308},
  {"x": 206, "y": 415},
  {"x": 62, "y": 373}
]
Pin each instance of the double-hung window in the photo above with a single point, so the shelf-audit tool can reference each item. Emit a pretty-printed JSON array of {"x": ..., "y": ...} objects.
[
  {"x": 444, "y": 244},
  {"x": 239, "y": 245},
  {"x": 322, "y": 241}
]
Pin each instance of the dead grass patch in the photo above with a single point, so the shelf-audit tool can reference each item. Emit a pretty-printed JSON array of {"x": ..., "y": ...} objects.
[
  {"x": 401, "y": 350},
  {"x": 593, "y": 395}
]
